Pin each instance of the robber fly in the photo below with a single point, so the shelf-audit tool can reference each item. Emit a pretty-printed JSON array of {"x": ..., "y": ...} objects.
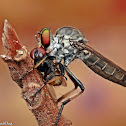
[{"x": 67, "y": 44}]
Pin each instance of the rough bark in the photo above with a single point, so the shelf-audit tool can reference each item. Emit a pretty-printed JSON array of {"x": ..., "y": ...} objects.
[{"x": 17, "y": 58}]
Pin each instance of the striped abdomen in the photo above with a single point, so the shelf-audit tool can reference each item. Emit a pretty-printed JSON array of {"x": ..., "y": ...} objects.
[{"x": 103, "y": 66}]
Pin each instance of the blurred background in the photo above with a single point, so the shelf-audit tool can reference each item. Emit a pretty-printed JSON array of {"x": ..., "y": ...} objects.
[{"x": 103, "y": 23}]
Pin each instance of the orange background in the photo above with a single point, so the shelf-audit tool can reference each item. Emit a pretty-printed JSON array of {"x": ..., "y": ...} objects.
[{"x": 103, "y": 22}]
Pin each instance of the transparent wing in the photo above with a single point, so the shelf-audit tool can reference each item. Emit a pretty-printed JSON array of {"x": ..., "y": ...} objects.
[
  {"x": 52, "y": 92},
  {"x": 102, "y": 66},
  {"x": 63, "y": 82}
]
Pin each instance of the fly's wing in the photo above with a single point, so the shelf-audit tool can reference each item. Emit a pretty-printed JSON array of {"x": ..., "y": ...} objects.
[
  {"x": 52, "y": 93},
  {"x": 63, "y": 82},
  {"x": 57, "y": 81},
  {"x": 102, "y": 66}
]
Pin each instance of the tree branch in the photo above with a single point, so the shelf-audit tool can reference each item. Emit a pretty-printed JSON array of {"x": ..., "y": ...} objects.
[{"x": 16, "y": 56}]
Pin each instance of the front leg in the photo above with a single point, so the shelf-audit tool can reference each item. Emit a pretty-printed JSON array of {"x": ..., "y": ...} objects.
[
  {"x": 35, "y": 67},
  {"x": 74, "y": 79},
  {"x": 76, "y": 83},
  {"x": 46, "y": 81},
  {"x": 62, "y": 70}
]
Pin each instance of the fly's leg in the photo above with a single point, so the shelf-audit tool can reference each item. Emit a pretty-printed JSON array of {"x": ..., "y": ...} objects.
[
  {"x": 64, "y": 103},
  {"x": 26, "y": 74},
  {"x": 49, "y": 78},
  {"x": 76, "y": 83},
  {"x": 37, "y": 65},
  {"x": 65, "y": 95},
  {"x": 74, "y": 79},
  {"x": 61, "y": 67},
  {"x": 62, "y": 70}
]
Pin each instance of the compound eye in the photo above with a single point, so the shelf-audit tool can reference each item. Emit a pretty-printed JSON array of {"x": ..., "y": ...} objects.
[
  {"x": 45, "y": 37},
  {"x": 32, "y": 53},
  {"x": 41, "y": 50},
  {"x": 37, "y": 53}
]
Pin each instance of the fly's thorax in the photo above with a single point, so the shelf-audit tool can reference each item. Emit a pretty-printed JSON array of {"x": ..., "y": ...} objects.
[
  {"x": 62, "y": 44},
  {"x": 65, "y": 43},
  {"x": 68, "y": 59},
  {"x": 71, "y": 34}
]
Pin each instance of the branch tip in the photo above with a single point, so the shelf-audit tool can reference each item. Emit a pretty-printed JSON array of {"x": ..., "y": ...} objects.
[{"x": 42, "y": 105}]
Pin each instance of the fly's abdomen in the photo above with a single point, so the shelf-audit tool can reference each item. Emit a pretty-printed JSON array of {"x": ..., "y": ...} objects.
[{"x": 103, "y": 66}]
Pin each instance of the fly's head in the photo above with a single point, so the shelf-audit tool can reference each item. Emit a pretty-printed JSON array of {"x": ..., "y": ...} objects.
[
  {"x": 38, "y": 53},
  {"x": 43, "y": 43}
]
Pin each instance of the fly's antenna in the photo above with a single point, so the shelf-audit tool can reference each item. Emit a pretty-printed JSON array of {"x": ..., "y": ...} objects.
[
  {"x": 38, "y": 39},
  {"x": 38, "y": 32}
]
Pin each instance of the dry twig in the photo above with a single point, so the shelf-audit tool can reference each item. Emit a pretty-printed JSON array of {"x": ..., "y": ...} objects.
[{"x": 19, "y": 62}]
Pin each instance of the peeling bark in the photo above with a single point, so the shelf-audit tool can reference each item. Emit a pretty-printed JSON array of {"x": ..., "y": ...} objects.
[{"x": 19, "y": 62}]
